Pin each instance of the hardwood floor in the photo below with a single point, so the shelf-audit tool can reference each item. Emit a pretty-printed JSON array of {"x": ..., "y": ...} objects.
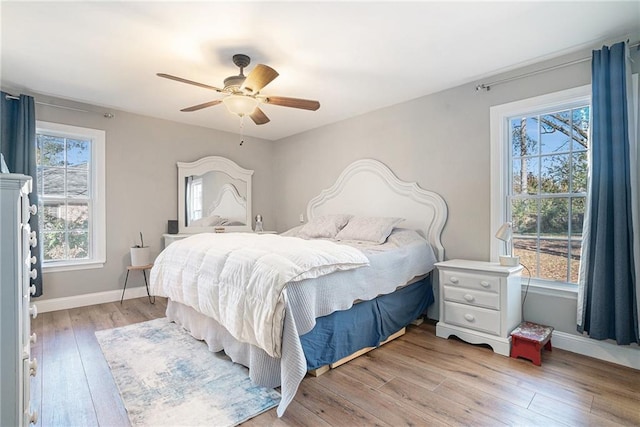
[{"x": 416, "y": 380}]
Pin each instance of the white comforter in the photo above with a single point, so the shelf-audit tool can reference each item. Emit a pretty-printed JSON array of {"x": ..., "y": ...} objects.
[{"x": 238, "y": 278}]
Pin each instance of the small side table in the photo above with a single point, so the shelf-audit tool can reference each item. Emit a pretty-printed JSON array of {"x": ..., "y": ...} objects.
[
  {"x": 528, "y": 340},
  {"x": 146, "y": 283}
]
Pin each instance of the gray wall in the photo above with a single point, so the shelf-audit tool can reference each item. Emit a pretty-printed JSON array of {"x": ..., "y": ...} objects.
[
  {"x": 141, "y": 184},
  {"x": 440, "y": 141}
]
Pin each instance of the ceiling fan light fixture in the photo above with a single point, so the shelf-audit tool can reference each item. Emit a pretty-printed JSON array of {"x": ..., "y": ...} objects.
[{"x": 240, "y": 104}]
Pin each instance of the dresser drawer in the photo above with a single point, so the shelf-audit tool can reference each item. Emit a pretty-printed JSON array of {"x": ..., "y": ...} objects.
[
  {"x": 472, "y": 297},
  {"x": 471, "y": 281},
  {"x": 480, "y": 319}
]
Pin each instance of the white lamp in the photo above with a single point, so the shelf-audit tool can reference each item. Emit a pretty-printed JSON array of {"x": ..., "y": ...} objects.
[
  {"x": 505, "y": 232},
  {"x": 240, "y": 104}
]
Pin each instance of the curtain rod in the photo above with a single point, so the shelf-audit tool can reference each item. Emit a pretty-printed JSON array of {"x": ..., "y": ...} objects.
[
  {"x": 487, "y": 86},
  {"x": 107, "y": 115}
]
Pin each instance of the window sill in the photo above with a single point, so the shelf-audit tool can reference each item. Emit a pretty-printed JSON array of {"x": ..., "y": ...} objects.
[
  {"x": 561, "y": 290},
  {"x": 71, "y": 266}
]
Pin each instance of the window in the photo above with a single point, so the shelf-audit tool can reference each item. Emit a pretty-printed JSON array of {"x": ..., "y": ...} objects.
[
  {"x": 71, "y": 195},
  {"x": 540, "y": 152},
  {"x": 195, "y": 198}
]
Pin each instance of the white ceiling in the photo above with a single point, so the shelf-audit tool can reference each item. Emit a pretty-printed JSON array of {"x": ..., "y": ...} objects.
[{"x": 353, "y": 57}]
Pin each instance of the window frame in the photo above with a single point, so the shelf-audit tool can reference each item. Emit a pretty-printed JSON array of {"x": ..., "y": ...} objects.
[
  {"x": 97, "y": 223},
  {"x": 501, "y": 166}
]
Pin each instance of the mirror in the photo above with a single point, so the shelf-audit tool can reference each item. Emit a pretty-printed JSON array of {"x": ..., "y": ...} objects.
[{"x": 214, "y": 194}]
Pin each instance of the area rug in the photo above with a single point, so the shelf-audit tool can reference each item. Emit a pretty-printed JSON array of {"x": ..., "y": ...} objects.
[{"x": 167, "y": 377}]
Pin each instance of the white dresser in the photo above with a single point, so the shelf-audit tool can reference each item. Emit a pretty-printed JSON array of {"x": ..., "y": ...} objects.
[
  {"x": 16, "y": 365},
  {"x": 480, "y": 302}
]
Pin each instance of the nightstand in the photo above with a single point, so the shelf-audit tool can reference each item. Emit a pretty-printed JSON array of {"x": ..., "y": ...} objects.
[{"x": 480, "y": 302}]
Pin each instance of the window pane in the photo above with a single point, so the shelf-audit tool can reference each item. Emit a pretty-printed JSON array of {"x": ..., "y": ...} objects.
[
  {"x": 555, "y": 132},
  {"x": 579, "y": 170},
  {"x": 53, "y": 246},
  {"x": 554, "y": 173},
  {"x": 580, "y": 128},
  {"x": 78, "y": 244},
  {"x": 52, "y": 150},
  {"x": 524, "y": 136},
  {"x": 527, "y": 250},
  {"x": 530, "y": 168},
  {"x": 53, "y": 182},
  {"x": 554, "y": 217},
  {"x": 78, "y": 216},
  {"x": 577, "y": 216},
  {"x": 53, "y": 216},
  {"x": 524, "y": 214},
  {"x": 77, "y": 182},
  {"x": 576, "y": 248},
  {"x": 553, "y": 259},
  {"x": 517, "y": 179},
  {"x": 78, "y": 153}
]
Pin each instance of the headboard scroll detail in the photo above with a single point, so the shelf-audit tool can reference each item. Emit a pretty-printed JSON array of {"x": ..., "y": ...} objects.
[{"x": 368, "y": 187}]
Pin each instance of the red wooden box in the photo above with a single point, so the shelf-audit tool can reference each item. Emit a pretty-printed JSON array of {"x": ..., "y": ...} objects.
[{"x": 528, "y": 339}]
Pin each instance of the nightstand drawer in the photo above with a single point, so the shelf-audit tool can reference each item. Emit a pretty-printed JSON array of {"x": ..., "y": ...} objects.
[
  {"x": 471, "y": 281},
  {"x": 480, "y": 319},
  {"x": 472, "y": 297}
]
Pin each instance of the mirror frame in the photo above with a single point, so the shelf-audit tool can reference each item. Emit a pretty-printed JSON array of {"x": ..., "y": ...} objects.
[{"x": 200, "y": 167}]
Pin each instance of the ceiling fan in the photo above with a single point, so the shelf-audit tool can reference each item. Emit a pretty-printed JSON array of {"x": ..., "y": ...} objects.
[{"x": 243, "y": 92}]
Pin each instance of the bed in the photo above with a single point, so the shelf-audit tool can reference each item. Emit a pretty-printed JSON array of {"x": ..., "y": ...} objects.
[{"x": 373, "y": 293}]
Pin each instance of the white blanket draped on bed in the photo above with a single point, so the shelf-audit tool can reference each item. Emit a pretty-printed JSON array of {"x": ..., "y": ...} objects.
[{"x": 238, "y": 278}]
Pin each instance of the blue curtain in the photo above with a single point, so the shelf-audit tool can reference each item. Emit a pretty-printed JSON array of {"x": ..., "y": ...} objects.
[
  {"x": 608, "y": 300},
  {"x": 18, "y": 145}
]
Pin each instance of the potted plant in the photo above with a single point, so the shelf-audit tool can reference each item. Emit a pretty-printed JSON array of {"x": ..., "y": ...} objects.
[{"x": 140, "y": 254}]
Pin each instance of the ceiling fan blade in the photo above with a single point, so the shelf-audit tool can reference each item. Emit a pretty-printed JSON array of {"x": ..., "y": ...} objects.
[
  {"x": 201, "y": 106},
  {"x": 258, "y": 78},
  {"x": 305, "y": 104},
  {"x": 259, "y": 117},
  {"x": 190, "y": 82}
]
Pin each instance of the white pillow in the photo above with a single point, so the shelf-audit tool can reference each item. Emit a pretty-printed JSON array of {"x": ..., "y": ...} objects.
[
  {"x": 368, "y": 229},
  {"x": 325, "y": 226}
]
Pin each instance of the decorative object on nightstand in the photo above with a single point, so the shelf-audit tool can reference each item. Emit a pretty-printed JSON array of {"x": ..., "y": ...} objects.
[
  {"x": 505, "y": 233},
  {"x": 528, "y": 340},
  {"x": 172, "y": 226},
  {"x": 480, "y": 302},
  {"x": 140, "y": 254},
  {"x": 146, "y": 283},
  {"x": 259, "y": 228}
]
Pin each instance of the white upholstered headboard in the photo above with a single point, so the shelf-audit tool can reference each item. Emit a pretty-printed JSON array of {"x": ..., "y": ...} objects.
[{"x": 367, "y": 187}]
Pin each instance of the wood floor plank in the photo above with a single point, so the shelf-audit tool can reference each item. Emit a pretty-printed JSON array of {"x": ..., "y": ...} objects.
[
  {"x": 567, "y": 414},
  {"x": 625, "y": 411},
  {"x": 432, "y": 404},
  {"x": 295, "y": 416},
  {"x": 519, "y": 372},
  {"x": 65, "y": 392},
  {"x": 390, "y": 410},
  {"x": 333, "y": 408},
  {"x": 107, "y": 403},
  {"x": 490, "y": 405}
]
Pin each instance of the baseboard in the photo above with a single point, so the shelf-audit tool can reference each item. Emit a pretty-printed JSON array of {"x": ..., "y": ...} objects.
[
  {"x": 65, "y": 303},
  {"x": 622, "y": 355}
]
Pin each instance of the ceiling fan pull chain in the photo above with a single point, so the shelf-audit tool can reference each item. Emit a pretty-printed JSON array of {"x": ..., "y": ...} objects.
[{"x": 241, "y": 130}]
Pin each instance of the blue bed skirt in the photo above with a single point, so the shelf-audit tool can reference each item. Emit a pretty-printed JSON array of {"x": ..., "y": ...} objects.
[{"x": 366, "y": 324}]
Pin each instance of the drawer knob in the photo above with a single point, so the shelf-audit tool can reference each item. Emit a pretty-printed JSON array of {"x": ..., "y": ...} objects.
[
  {"x": 33, "y": 239},
  {"x": 32, "y": 289},
  {"x": 33, "y": 274},
  {"x": 33, "y": 338},
  {"x": 33, "y": 209},
  {"x": 454, "y": 279},
  {"x": 469, "y": 298},
  {"x": 469, "y": 317},
  {"x": 484, "y": 284},
  {"x": 33, "y": 417},
  {"x": 33, "y": 259},
  {"x": 33, "y": 367},
  {"x": 33, "y": 311}
]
